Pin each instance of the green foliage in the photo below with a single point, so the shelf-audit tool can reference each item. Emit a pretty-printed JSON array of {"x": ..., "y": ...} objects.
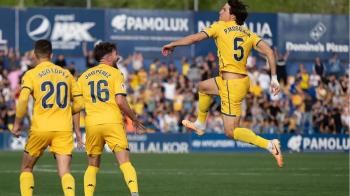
[{"x": 272, "y": 6}]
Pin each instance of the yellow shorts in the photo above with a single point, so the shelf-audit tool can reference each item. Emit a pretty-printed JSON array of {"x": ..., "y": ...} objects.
[
  {"x": 232, "y": 92},
  {"x": 60, "y": 142},
  {"x": 112, "y": 134}
]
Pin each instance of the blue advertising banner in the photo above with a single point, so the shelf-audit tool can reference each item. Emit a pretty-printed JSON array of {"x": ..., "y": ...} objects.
[
  {"x": 7, "y": 28},
  {"x": 147, "y": 31},
  {"x": 307, "y": 36},
  {"x": 264, "y": 25},
  {"x": 66, "y": 28},
  {"x": 212, "y": 142},
  {"x": 160, "y": 143}
]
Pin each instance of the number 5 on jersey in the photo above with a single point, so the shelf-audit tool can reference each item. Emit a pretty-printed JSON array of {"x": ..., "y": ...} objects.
[
  {"x": 238, "y": 48},
  {"x": 101, "y": 91}
]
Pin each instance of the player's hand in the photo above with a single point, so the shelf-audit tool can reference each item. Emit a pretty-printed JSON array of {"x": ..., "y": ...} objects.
[
  {"x": 80, "y": 143},
  {"x": 274, "y": 85},
  {"x": 167, "y": 49},
  {"x": 16, "y": 130},
  {"x": 140, "y": 129}
]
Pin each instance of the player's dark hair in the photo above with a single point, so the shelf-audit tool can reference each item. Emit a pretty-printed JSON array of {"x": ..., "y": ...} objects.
[
  {"x": 238, "y": 9},
  {"x": 43, "y": 49},
  {"x": 102, "y": 49}
]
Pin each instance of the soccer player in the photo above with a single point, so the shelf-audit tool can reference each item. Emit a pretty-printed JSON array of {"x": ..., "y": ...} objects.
[
  {"x": 104, "y": 96},
  {"x": 234, "y": 43},
  {"x": 53, "y": 89}
]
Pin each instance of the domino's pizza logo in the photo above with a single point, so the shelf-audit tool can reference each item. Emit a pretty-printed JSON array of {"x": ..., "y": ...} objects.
[{"x": 38, "y": 27}]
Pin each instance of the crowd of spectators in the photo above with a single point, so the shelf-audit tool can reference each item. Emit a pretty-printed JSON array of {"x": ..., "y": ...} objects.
[{"x": 162, "y": 94}]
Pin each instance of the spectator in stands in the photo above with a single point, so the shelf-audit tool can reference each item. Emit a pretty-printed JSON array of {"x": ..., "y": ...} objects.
[
  {"x": 264, "y": 81},
  {"x": 137, "y": 61},
  {"x": 319, "y": 68},
  {"x": 154, "y": 65},
  {"x": 304, "y": 77},
  {"x": 216, "y": 123},
  {"x": 185, "y": 66},
  {"x": 281, "y": 62},
  {"x": 61, "y": 61},
  {"x": 169, "y": 90},
  {"x": 314, "y": 79},
  {"x": 306, "y": 119},
  {"x": 334, "y": 66},
  {"x": 334, "y": 85},
  {"x": 89, "y": 56}
]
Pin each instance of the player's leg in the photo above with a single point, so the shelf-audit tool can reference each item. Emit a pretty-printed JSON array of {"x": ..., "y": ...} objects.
[
  {"x": 94, "y": 147},
  {"x": 115, "y": 138},
  {"x": 232, "y": 130},
  {"x": 62, "y": 146},
  {"x": 63, "y": 169},
  {"x": 36, "y": 144},
  {"x": 231, "y": 99},
  {"x": 128, "y": 170},
  {"x": 206, "y": 89},
  {"x": 90, "y": 174},
  {"x": 26, "y": 176}
]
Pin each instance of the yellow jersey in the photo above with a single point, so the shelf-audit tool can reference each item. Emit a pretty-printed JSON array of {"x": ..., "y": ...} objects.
[
  {"x": 234, "y": 43},
  {"x": 99, "y": 86},
  {"x": 52, "y": 88}
]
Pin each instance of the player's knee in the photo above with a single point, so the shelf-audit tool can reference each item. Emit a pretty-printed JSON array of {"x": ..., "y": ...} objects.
[
  {"x": 27, "y": 166},
  {"x": 26, "y": 169},
  {"x": 62, "y": 172},
  {"x": 230, "y": 132},
  {"x": 94, "y": 160},
  {"x": 201, "y": 87}
]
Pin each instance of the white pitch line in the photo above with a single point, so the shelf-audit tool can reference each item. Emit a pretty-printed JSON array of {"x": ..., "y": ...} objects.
[{"x": 183, "y": 173}]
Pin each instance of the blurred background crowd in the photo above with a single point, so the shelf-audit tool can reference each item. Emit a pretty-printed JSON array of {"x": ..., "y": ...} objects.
[{"x": 162, "y": 93}]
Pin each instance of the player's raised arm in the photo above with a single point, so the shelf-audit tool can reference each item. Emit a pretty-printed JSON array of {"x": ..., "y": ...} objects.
[
  {"x": 263, "y": 48},
  {"x": 188, "y": 40}
]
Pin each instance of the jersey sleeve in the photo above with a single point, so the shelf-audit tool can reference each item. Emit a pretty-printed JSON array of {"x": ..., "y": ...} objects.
[
  {"x": 77, "y": 96},
  {"x": 212, "y": 31},
  {"x": 76, "y": 91},
  {"x": 119, "y": 85},
  {"x": 255, "y": 39},
  {"x": 27, "y": 82}
]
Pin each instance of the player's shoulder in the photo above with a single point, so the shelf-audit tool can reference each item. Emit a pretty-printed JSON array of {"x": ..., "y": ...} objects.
[
  {"x": 217, "y": 23},
  {"x": 30, "y": 72},
  {"x": 114, "y": 71}
]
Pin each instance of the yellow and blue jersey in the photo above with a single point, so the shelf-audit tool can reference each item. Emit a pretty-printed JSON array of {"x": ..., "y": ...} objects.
[
  {"x": 99, "y": 86},
  {"x": 52, "y": 88},
  {"x": 234, "y": 43}
]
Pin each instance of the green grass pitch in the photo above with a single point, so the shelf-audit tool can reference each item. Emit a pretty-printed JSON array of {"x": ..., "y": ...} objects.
[{"x": 241, "y": 174}]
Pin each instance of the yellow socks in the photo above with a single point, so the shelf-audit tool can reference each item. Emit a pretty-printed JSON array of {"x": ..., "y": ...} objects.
[
  {"x": 204, "y": 102},
  {"x": 26, "y": 181},
  {"x": 68, "y": 184},
  {"x": 90, "y": 180},
  {"x": 248, "y": 136},
  {"x": 130, "y": 176}
]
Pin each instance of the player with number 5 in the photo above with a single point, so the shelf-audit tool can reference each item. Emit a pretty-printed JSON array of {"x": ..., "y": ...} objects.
[{"x": 234, "y": 42}]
